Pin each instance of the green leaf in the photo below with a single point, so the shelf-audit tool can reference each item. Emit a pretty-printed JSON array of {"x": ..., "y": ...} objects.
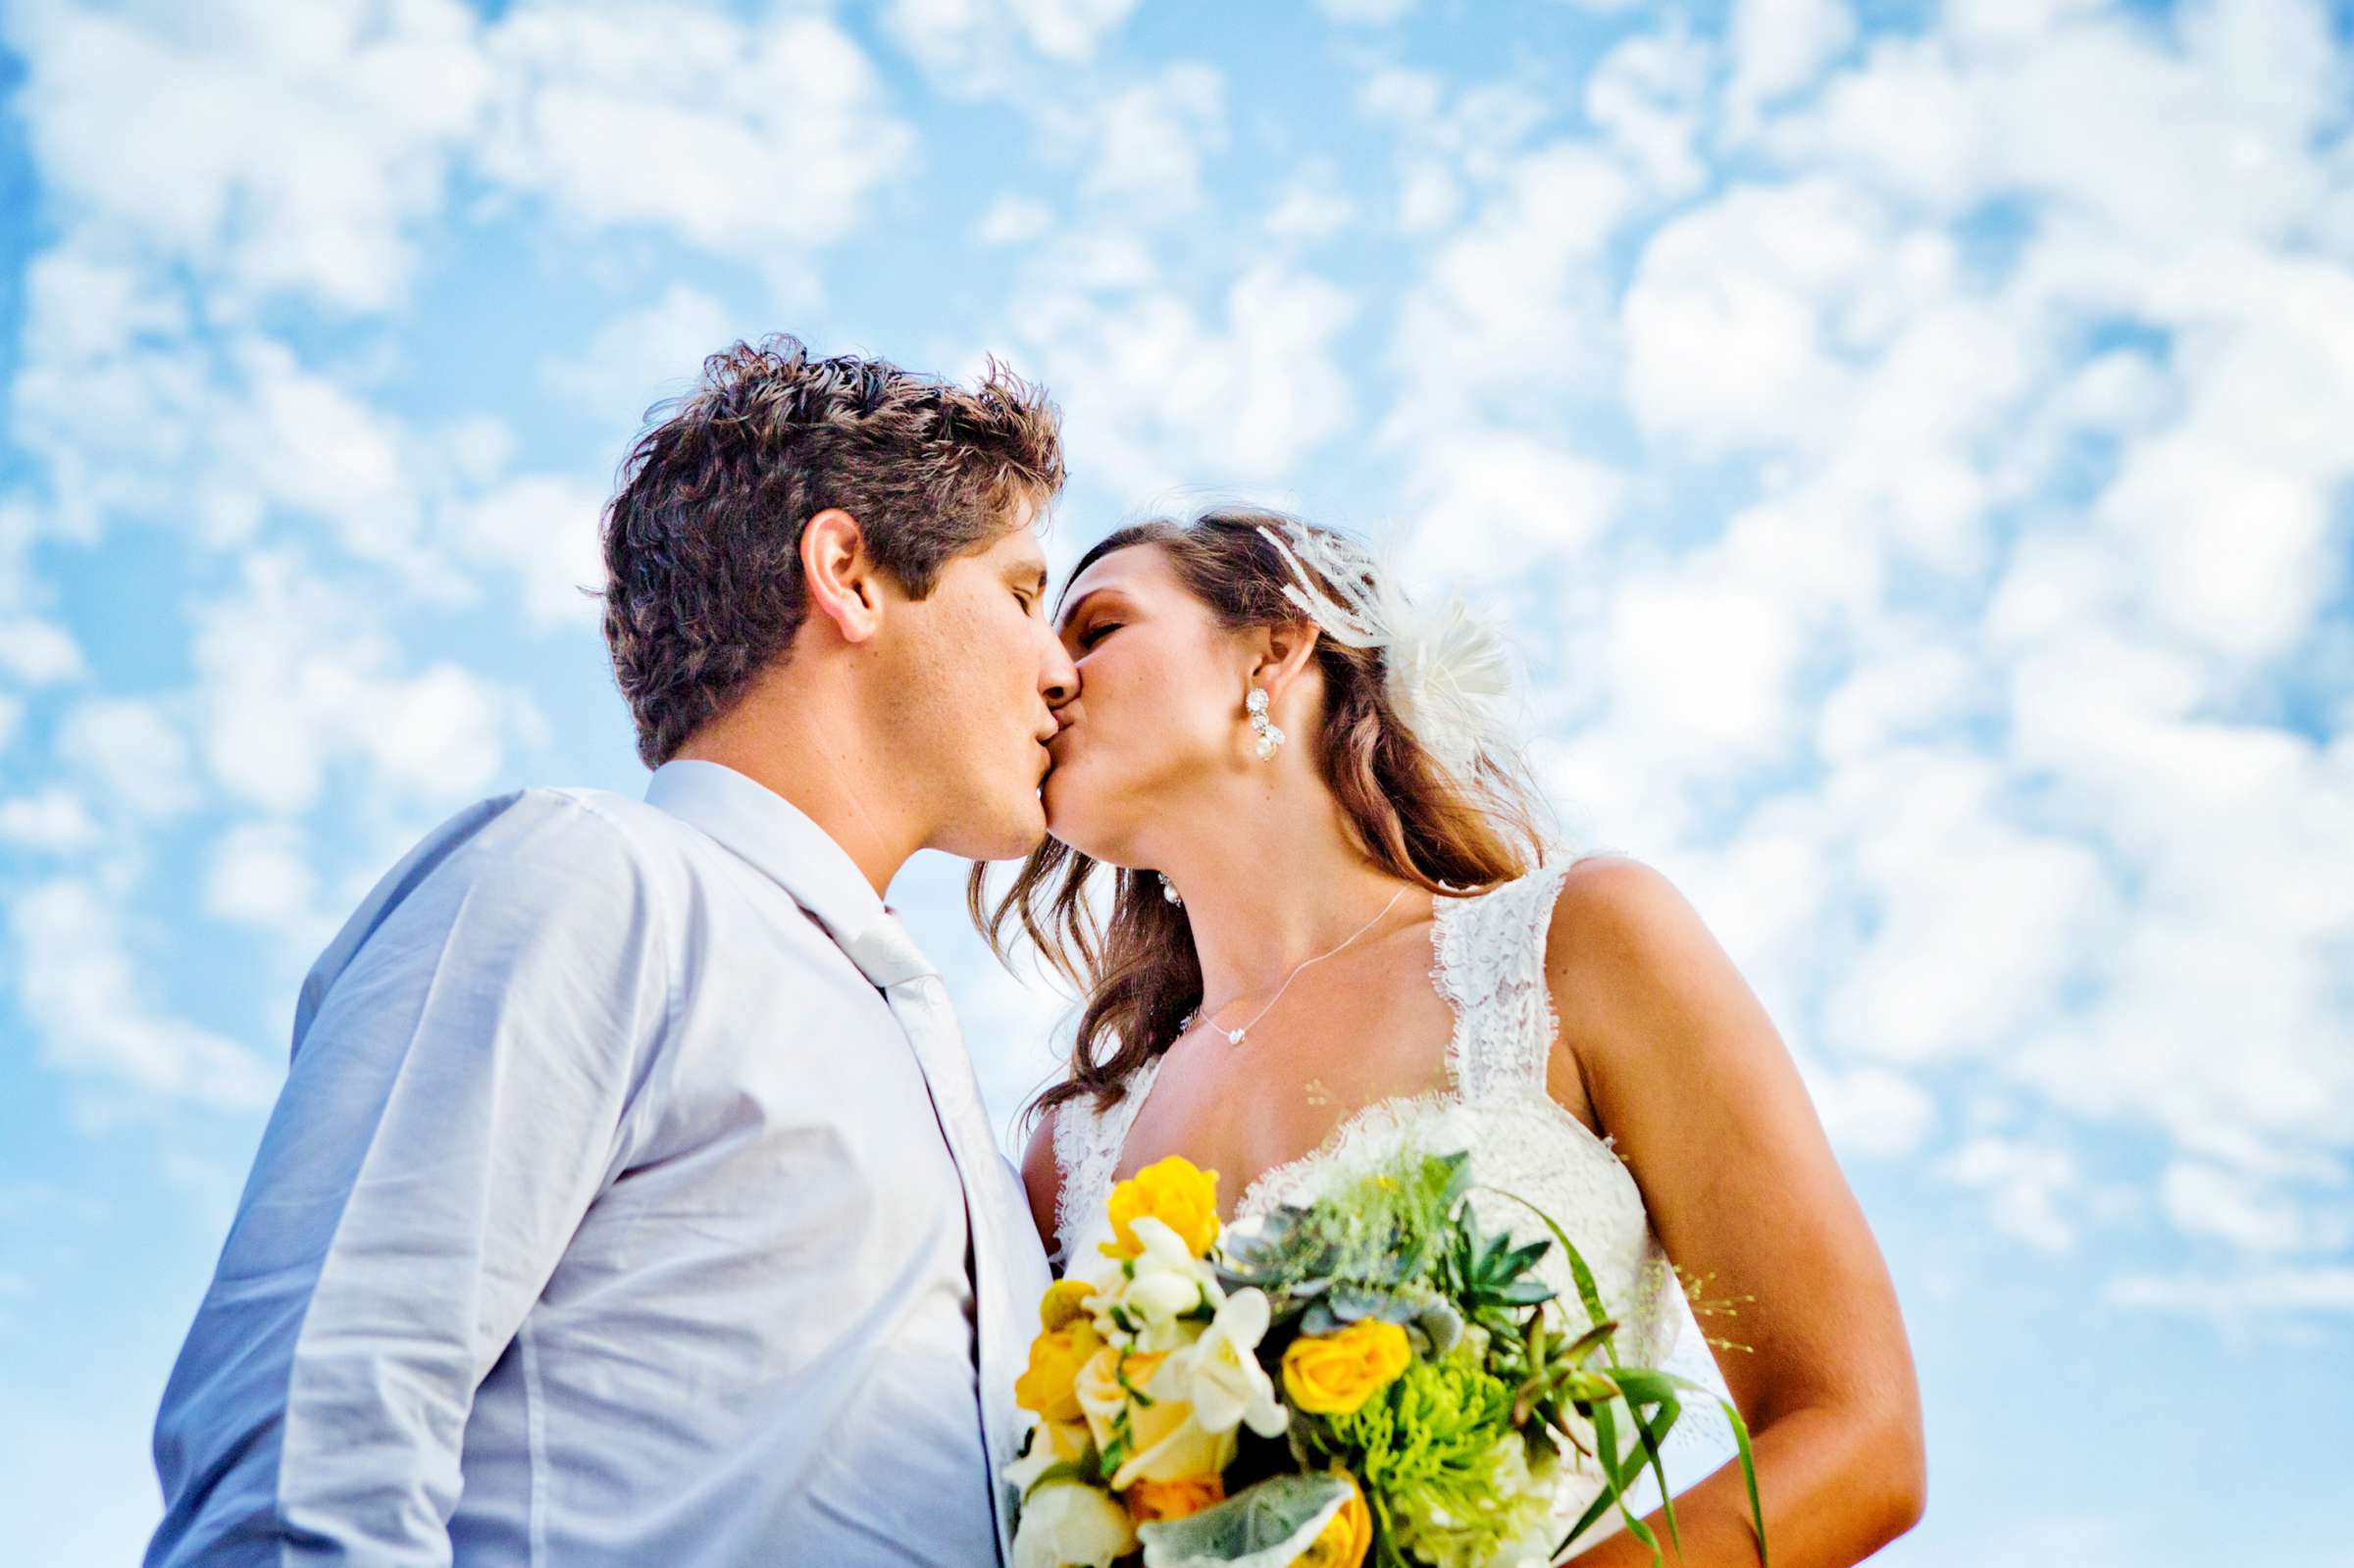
[{"x": 1262, "y": 1526}]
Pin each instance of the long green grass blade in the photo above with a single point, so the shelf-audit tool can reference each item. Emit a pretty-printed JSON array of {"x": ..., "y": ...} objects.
[{"x": 1749, "y": 1474}]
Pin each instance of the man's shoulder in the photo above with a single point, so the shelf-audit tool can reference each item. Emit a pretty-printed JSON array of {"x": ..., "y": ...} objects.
[
  {"x": 561, "y": 856},
  {"x": 563, "y": 827}
]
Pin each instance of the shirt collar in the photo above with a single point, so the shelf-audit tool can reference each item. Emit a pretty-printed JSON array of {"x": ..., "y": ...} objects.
[{"x": 775, "y": 837}]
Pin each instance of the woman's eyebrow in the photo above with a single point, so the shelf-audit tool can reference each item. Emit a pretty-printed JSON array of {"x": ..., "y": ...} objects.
[{"x": 1070, "y": 612}]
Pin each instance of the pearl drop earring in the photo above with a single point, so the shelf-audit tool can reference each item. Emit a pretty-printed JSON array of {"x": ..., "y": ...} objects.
[
  {"x": 1270, "y": 738},
  {"x": 1168, "y": 889}
]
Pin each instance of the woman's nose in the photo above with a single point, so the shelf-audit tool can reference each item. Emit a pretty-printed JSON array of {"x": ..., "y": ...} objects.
[{"x": 1058, "y": 681}]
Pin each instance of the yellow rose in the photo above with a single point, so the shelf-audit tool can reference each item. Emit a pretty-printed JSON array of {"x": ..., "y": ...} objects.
[
  {"x": 1148, "y": 1500},
  {"x": 1048, "y": 1386},
  {"x": 1335, "y": 1373},
  {"x": 1345, "y": 1536},
  {"x": 1173, "y": 1191},
  {"x": 1064, "y": 1300}
]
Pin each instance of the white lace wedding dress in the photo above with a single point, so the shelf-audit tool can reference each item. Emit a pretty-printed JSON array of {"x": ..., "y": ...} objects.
[{"x": 1489, "y": 965}]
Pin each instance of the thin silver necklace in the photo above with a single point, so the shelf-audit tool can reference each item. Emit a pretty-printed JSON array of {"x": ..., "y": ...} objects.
[{"x": 1234, "y": 1037}]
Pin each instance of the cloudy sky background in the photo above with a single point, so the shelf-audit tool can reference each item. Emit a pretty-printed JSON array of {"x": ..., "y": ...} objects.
[{"x": 1910, "y": 443}]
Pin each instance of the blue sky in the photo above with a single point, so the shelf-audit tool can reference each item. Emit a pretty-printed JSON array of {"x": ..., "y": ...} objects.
[{"x": 1907, "y": 442}]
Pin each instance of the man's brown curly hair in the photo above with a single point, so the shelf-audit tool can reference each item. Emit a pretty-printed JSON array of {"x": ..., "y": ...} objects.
[{"x": 702, "y": 538}]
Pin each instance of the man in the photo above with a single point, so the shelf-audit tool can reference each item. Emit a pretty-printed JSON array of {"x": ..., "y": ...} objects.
[{"x": 630, "y": 1199}]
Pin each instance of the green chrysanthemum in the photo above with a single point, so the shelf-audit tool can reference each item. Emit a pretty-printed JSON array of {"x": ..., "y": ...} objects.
[{"x": 1443, "y": 1469}]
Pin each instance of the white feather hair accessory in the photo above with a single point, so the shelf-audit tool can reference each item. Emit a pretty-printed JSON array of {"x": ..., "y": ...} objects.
[{"x": 1447, "y": 671}]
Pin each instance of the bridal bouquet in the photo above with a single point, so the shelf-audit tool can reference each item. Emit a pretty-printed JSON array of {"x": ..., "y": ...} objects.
[{"x": 1370, "y": 1377}]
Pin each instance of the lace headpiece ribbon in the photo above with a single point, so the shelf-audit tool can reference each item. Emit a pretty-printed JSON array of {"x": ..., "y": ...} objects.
[{"x": 1446, "y": 672}]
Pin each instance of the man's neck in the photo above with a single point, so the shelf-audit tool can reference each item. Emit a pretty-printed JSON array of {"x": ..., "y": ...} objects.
[{"x": 782, "y": 742}]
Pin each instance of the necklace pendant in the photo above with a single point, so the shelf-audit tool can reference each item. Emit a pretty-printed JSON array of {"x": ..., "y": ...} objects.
[{"x": 1234, "y": 1037}]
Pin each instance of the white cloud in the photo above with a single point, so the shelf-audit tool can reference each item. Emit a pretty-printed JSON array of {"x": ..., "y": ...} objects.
[
  {"x": 544, "y": 530},
  {"x": 1152, "y": 138},
  {"x": 979, "y": 48},
  {"x": 2208, "y": 1200},
  {"x": 131, "y": 755},
  {"x": 78, "y": 986},
  {"x": 740, "y": 136},
  {"x": 1365, "y": 12},
  {"x": 2025, "y": 1185},
  {"x": 1702, "y": 664},
  {"x": 640, "y": 357},
  {"x": 1649, "y": 94},
  {"x": 260, "y": 874},
  {"x": 12, "y": 718},
  {"x": 1725, "y": 328},
  {"x": 1872, "y": 1111},
  {"x": 1779, "y": 46},
  {"x": 278, "y": 152},
  {"x": 1312, "y": 207},
  {"x": 1514, "y": 306},
  {"x": 295, "y": 678},
  {"x": 52, "y": 822},
  {"x": 2239, "y": 1298},
  {"x": 1159, "y": 397},
  {"x": 1451, "y": 146},
  {"x": 1013, "y": 221},
  {"x": 1489, "y": 504},
  {"x": 37, "y": 652},
  {"x": 1069, "y": 31},
  {"x": 2166, "y": 139},
  {"x": 1975, "y": 930}
]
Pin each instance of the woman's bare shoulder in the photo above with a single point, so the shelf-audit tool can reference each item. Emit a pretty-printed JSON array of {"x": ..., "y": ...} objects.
[{"x": 1623, "y": 943}]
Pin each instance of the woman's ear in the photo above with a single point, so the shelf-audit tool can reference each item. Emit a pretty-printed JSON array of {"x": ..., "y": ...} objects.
[
  {"x": 839, "y": 575},
  {"x": 1287, "y": 652}
]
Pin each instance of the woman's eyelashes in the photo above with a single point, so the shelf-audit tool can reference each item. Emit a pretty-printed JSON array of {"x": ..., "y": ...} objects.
[{"x": 1096, "y": 634}]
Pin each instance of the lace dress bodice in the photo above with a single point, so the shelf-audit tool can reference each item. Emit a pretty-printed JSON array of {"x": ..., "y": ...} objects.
[{"x": 1489, "y": 963}]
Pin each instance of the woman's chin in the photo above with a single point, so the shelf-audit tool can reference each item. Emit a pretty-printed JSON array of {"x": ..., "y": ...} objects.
[
  {"x": 1070, "y": 808},
  {"x": 1064, "y": 800}
]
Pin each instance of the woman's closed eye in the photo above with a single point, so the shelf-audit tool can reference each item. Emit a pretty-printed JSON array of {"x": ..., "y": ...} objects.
[{"x": 1097, "y": 632}]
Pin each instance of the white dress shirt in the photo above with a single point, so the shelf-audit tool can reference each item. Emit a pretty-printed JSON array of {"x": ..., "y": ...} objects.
[{"x": 607, "y": 1218}]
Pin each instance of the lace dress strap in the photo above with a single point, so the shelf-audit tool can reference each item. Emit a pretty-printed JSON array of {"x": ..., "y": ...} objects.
[
  {"x": 1087, "y": 1151},
  {"x": 1489, "y": 964}
]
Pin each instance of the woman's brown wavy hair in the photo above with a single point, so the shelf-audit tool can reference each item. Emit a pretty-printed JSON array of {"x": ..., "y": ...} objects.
[{"x": 1136, "y": 968}]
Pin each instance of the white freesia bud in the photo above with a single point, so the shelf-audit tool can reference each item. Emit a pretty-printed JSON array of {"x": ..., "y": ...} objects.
[
  {"x": 1224, "y": 1379},
  {"x": 1142, "y": 1304}
]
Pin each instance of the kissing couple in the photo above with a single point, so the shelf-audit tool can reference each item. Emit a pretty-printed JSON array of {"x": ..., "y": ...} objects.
[{"x": 631, "y": 1200}]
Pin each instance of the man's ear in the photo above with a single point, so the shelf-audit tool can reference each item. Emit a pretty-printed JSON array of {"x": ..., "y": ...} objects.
[
  {"x": 1288, "y": 650},
  {"x": 840, "y": 576}
]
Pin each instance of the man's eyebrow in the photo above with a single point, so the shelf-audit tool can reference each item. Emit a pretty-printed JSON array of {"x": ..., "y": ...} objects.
[{"x": 1028, "y": 574}]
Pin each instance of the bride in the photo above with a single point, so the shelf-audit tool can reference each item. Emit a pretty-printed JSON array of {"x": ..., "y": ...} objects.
[{"x": 1334, "y": 926}]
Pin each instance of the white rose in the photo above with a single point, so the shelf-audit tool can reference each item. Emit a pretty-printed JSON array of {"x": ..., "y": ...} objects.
[{"x": 1069, "y": 1524}]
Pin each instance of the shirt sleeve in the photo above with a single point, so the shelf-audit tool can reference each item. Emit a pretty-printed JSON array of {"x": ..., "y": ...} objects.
[{"x": 454, "y": 1105}]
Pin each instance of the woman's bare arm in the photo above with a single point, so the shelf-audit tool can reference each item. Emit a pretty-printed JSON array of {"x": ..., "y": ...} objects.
[
  {"x": 1688, "y": 1074},
  {"x": 1041, "y": 1178}
]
